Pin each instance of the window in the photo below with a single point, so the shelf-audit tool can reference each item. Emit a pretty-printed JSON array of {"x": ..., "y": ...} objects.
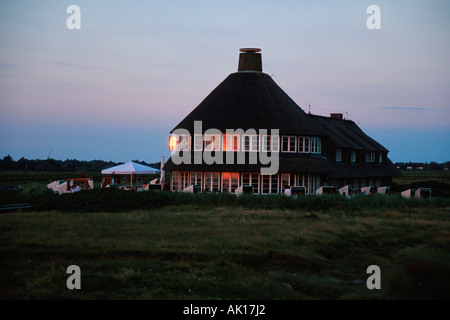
[
  {"x": 251, "y": 179},
  {"x": 303, "y": 144},
  {"x": 316, "y": 145},
  {"x": 196, "y": 179},
  {"x": 275, "y": 143},
  {"x": 211, "y": 181},
  {"x": 198, "y": 142},
  {"x": 314, "y": 183},
  {"x": 180, "y": 180},
  {"x": 380, "y": 158},
  {"x": 285, "y": 181},
  {"x": 179, "y": 142},
  {"x": 338, "y": 155},
  {"x": 230, "y": 181},
  {"x": 370, "y": 156},
  {"x": 301, "y": 180},
  {"x": 250, "y": 143},
  {"x": 212, "y": 142},
  {"x": 231, "y": 142},
  {"x": 270, "y": 144},
  {"x": 288, "y": 144},
  {"x": 353, "y": 157},
  {"x": 269, "y": 184},
  {"x": 355, "y": 184}
]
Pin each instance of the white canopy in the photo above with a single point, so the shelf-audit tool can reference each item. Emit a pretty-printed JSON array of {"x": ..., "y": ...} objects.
[{"x": 130, "y": 168}]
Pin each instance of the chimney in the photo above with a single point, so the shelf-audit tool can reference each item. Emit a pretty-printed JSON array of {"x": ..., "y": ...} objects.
[
  {"x": 336, "y": 116},
  {"x": 250, "y": 59}
]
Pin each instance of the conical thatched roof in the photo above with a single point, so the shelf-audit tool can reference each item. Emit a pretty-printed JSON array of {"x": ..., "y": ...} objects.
[{"x": 250, "y": 100}]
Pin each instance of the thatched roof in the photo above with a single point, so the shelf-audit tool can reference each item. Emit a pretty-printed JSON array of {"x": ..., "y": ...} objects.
[
  {"x": 346, "y": 134},
  {"x": 251, "y": 100}
]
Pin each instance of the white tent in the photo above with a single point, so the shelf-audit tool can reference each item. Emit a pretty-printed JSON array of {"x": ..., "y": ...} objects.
[
  {"x": 130, "y": 168},
  {"x": 121, "y": 172}
]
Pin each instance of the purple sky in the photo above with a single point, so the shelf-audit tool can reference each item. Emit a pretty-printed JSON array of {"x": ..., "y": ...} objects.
[{"x": 115, "y": 88}]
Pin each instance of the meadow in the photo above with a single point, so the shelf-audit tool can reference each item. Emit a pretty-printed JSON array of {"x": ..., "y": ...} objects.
[{"x": 159, "y": 245}]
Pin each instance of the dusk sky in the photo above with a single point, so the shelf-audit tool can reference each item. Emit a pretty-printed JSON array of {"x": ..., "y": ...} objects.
[{"x": 114, "y": 89}]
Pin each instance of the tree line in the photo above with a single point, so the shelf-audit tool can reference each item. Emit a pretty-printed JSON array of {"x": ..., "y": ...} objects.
[{"x": 8, "y": 163}]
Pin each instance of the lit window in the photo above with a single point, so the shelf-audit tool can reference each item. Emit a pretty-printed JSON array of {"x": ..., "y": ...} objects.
[
  {"x": 230, "y": 181},
  {"x": 288, "y": 144},
  {"x": 231, "y": 142},
  {"x": 172, "y": 143},
  {"x": 179, "y": 142}
]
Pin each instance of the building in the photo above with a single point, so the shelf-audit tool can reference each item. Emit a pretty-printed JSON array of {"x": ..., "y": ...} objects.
[{"x": 247, "y": 123}]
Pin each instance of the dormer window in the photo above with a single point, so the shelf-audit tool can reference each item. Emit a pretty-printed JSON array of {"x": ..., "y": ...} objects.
[
  {"x": 316, "y": 145},
  {"x": 270, "y": 143},
  {"x": 370, "y": 156},
  {"x": 380, "y": 158},
  {"x": 198, "y": 142},
  {"x": 231, "y": 142},
  {"x": 250, "y": 143},
  {"x": 303, "y": 144},
  {"x": 288, "y": 144},
  {"x": 179, "y": 142},
  {"x": 338, "y": 155},
  {"x": 212, "y": 142},
  {"x": 353, "y": 157}
]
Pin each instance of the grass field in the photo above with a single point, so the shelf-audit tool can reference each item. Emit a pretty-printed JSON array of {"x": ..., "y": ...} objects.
[{"x": 178, "y": 246}]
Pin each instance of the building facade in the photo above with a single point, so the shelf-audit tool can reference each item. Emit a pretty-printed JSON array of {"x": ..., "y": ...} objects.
[{"x": 249, "y": 132}]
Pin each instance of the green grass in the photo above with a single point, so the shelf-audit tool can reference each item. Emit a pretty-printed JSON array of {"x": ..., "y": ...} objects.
[
  {"x": 182, "y": 252},
  {"x": 160, "y": 245}
]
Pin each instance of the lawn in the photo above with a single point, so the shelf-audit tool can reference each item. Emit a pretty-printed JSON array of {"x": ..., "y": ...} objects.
[{"x": 180, "y": 246}]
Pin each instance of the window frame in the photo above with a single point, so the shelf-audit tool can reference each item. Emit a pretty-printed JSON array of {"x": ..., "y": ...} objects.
[
  {"x": 353, "y": 156},
  {"x": 370, "y": 157},
  {"x": 289, "y": 144},
  {"x": 214, "y": 144},
  {"x": 316, "y": 143},
  {"x": 339, "y": 153},
  {"x": 234, "y": 145},
  {"x": 251, "y": 145}
]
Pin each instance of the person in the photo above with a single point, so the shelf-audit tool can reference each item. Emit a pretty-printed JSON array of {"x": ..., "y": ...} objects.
[{"x": 287, "y": 192}]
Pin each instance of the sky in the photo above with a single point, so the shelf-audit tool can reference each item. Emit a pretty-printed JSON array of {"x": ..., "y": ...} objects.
[{"x": 115, "y": 88}]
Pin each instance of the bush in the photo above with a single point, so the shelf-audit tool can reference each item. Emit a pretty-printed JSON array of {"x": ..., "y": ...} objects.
[{"x": 114, "y": 200}]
